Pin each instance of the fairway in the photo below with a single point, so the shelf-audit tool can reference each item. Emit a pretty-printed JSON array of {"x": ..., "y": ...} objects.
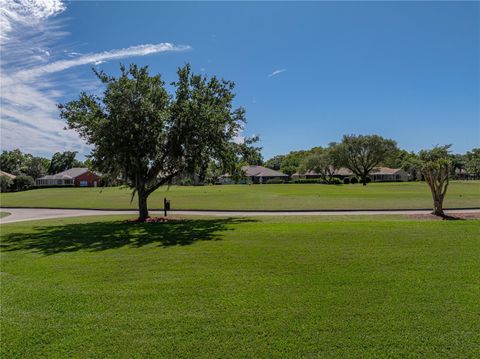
[
  {"x": 408, "y": 195},
  {"x": 263, "y": 287}
]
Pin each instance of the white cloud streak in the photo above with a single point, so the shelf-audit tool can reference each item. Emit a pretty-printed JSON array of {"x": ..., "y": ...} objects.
[
  {"x": 98, "y": 58},
  {"x": 34, "y": 76},
  {"x": 276, "y": 72}
]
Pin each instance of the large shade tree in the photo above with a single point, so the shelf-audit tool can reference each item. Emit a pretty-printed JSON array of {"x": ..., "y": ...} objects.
[
  {"x": 145, "y": 135},
  {"x": 361, "y": 154}
]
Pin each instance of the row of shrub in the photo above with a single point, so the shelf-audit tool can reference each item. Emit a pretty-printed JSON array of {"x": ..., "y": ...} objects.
[
  {"x": 346, "y": 180},
  {"x": 316, "y": 181},
  {"x": 19, "y": 183}
]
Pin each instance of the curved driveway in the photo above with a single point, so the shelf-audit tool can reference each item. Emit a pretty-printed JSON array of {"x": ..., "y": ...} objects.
[{"x": 29, "y": 214}]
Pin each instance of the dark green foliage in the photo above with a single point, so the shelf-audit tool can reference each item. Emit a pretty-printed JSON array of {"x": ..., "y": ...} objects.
[
  {"x": 275, "y": 162},
  {"x": 148, "y": 137},
  {"x": 395, "y": 158},
  {"x": 472, "y": 162},
  {"x": 307, "y": 181},
  {"x": 320, "y": 161},
  {"x": 249, "y": 153},
  {"x": 362, "y": 153},
  {"x": 22, "y": 183},
  {"x": 332, "y": 180},
  {"x": 37, "y": 167},
  {"x": 354, "y": 180},
  {"x": 13, "y": 162},
  {"x": 5, "y": 184},
  {"x": 275, "y": 181},
  {"x": 291, "y": 162},
  {"x": 18, "y": 163},
  {"x": 346, "y": 180},
  {"x": 62, "y": 161}
]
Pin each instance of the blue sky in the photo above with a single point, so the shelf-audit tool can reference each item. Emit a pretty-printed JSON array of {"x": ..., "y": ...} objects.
[{"x": 307, "y": 73}]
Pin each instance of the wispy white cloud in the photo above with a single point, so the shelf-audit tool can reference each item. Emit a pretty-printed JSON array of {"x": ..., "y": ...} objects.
[
  {"x": 19, "y": 13},
  {"x": 98, "y": 58},
  {"x": 34, "y": 77},
  {"x": 276, "y": 72}
]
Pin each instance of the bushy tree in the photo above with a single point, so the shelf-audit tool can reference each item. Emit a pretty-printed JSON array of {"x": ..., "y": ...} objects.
[
  {"x": 140, "y": 132},
  {"x": 62, "y": 161},
  {"x": 22, "y": 183},
  {"x": 37, "y": 167},
  {"x": 321, "y": 162},
  {"x": 396, "y": 158},
  {"x": 5, "y": 184},
  {"x": 275, "y": 162},
  {"x": 292, "y": 161},
  {"x": 19, "y": 163},
  {"x": 14, "y": 162},
  {"x": 249, "y": 153},
  {"x": 363, "y": 153},
  {"x": 435, "y": 166},
  {"x": 472, "y": 162}
]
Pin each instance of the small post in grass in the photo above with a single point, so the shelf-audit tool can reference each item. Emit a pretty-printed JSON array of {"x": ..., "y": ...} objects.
[{"x": 166, "y": 206}]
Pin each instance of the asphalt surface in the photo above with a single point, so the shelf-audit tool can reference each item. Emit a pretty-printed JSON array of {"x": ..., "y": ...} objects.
[{"x": 30, "y": 214}]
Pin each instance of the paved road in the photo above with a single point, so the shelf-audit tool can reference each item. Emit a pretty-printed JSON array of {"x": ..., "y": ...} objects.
[{"x": 29, "y": 214}]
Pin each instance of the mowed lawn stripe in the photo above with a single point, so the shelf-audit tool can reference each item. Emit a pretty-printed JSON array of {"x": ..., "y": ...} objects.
[
  {"x": 262, "y": 287},
  {"x": 411, "y": 195}
]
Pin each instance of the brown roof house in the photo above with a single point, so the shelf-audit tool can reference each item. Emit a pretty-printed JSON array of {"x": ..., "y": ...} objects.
[
  {"x": 255, "y": 174},
  {"x": 74, "y": 177}
]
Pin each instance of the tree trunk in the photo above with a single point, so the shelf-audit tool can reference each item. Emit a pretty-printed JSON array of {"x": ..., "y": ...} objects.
[
  {"x": 438, "y": 206},
  {"x": 364, "y": 180},
  {"x": 142, "y": 206}
]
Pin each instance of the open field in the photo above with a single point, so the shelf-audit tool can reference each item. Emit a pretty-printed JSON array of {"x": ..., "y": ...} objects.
[
  {"x": 255, "y": 197},
  {"x": 260, "y": 287}
]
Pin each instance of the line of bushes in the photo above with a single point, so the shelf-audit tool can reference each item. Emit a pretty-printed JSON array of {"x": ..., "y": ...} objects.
[{"x": 19, "y": 183}]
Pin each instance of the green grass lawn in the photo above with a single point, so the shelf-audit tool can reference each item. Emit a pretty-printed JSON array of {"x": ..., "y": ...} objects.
[
  {"x": 263, "y": 287},
  {"x": 255, "y": 197}
]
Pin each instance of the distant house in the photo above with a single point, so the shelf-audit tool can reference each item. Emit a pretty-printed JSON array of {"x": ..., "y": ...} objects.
[
  {"x": 462, "y": 174},
  {"x": 386, "y": 174},
  {"x": 6, "y": 174},
  {"x": 380, "y": 174},
  {"x": 256, "y": 174},
  {"x": 74, "y": 177}
]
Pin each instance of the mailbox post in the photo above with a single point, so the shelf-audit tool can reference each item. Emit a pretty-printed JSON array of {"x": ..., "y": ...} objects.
[{"x": 166, "y": 206}]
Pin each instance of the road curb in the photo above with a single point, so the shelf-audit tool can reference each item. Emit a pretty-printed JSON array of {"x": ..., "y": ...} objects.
[{"x": 253, "y": 210}]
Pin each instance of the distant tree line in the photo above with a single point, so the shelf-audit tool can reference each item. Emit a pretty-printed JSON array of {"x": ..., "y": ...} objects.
[
  {"x": 371, "y": 151},
  {"x": 27, "y": 167}
]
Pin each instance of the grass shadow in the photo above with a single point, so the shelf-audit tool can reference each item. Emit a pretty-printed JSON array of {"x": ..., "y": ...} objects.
[{"x": 99, "y": 236}]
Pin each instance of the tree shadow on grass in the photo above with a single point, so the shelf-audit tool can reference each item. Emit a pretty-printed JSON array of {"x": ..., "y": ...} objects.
[{"x": 99, "y": 236}]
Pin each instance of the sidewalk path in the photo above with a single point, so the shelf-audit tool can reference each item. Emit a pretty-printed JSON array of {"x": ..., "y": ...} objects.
[{"x": 29, "y": 214}]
